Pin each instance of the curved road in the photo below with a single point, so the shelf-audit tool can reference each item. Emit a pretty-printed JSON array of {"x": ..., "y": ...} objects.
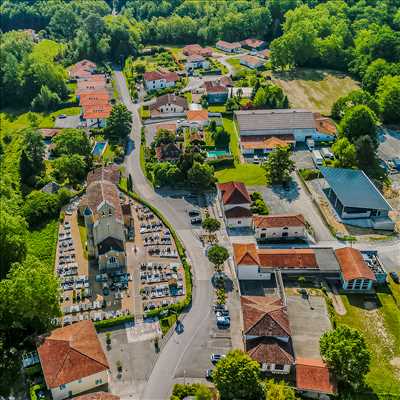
[{"x": 161, "y": 379}]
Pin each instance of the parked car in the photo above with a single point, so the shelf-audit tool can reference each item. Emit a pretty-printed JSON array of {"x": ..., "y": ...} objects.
[
  {"x": 395, "y": 277},
  {"x": 179, "y": 327},
  {"x": 223, "y": 322},
  {"x": 193, "y": 212},
  {"x": 326, "y": 153},
  {"x": 62, "y": 116},
  {"x": 195, "y": 220},
  {"x": 310, "y": 144},
  {"x": 209, "y": 374},
  {"x": 216, "y": 357},
  {"x": 317, "y": 158}
]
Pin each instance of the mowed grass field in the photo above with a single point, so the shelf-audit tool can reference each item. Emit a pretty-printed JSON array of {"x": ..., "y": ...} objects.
[
  {"x": 381, "y": 329},
  {"x": 314, "y": 89}
]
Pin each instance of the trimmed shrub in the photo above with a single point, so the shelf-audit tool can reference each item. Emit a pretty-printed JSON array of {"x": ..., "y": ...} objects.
[{"x": 108, "y": 323}]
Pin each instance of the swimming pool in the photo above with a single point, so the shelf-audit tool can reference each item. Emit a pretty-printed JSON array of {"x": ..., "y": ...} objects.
[
  {"x": 99, "y": 149},
  {"x": 217, "y": 153}
]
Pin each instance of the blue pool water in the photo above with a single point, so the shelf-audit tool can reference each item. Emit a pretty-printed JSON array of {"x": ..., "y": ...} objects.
[
  {"x": 99, "y": 148},
  {"x": 217, "y": 153}
]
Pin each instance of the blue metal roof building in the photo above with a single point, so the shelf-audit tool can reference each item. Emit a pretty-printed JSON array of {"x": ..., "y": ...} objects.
[{"x": 353, "y": 195}]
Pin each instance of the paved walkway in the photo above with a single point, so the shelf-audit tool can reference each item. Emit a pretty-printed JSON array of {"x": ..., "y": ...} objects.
[{"x": 337, "y": 302}]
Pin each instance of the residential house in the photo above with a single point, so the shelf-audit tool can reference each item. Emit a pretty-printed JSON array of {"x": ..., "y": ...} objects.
[
  {"x": 156, "y": 80},
  {"x": 251, "y": 62},
  {"x": 217, "y": 91},
  {"x": 235, "y": 201},
  {"x": 355, "y": 199},
  {"x": 197, "y": 118},
  {"x": 73, "y": 360},
  {"x": 253, "y": 263},
  {"x": 95, "y": 115},
  {"x": 89, "y": 86},
  {"x": 196, "y": 61},
  {"x": 265, "y": 54},
  {"x": 253, "y": 44},
  {"x": 228, "y": 47},
  {"x": 168, "y": 104},
  {"x": 356, "y": 275},
  {"x": 192, "y": 49},
  {"x": 262, "y": 145},
  {"x": 314, "y": 379},
  {"x": 298, "y": 125},
  {"x": 266, "y": 333},
  {"x": 168, "y": 152},
  {"x": 102, "y": 212},
  {"x": 82, "y": 69},
  {"x": 325, "y": 127},
  {"x": 279, "y": 226},
  {"x": 94, "y": 98}
]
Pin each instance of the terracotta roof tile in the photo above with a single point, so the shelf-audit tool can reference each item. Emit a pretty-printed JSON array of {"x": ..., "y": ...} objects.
[
  {"x": 238, "y": 212},
  {"x": 157, "y": 75},
  {"x": 251, "y": 60},
  {"x": 324, "y": 124},
  {"x": 314, "y": 375},
  {"x": 197, "y": 115},
  {"x": 71, "y": 353},
  {"x": 278, "y": 220},
  {"x": 97, "y": 396},
  {"x": 254, "y": 43},
  {"x": 234, "y": 193},
  {"x": 264, "y": 316},
  {"x": 353, "y": 265},
  {"x": 228, "y": 45},
  {"x": 270, "y": 351},
  {"x": 245, "y": 254},
  {"x": 266, "y": 142}
]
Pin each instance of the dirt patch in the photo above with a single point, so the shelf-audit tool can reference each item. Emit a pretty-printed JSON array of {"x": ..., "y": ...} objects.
[
  {"x": 395, "y": 362},
  {"x": 315, "y": 90}
]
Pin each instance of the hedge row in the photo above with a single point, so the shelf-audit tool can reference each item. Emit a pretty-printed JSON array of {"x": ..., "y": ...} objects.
[
  {"x": 225, "y": 162},
  {"x": 108, "y": 323},
  {"x": 310, "y": 174},
  {"x": 181, "y": 305}
]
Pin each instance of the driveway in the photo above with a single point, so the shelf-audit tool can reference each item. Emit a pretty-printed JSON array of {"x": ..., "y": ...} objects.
[
  {"x": 308, "y": 321},
  {"x": 296, "y": 200},
  {"x": 70, "y": 121},
  {"x": 389, "y": 145},
  {"x": 302, "y": 157}
]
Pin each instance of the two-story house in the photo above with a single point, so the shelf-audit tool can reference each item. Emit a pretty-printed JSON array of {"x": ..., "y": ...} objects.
[
  {"x": 266, "y": 333},
  {"x": 73, "y": 360},
  {"x": 156, "y": 80},
  {"x": 196, "y": 61},
  {"x": 102, "y": 213},
  {"x": 235, "y": 202}
]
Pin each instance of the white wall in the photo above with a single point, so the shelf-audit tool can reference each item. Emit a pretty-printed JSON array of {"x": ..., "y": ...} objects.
[
  {"x": 251, "y": 272},
  {"x": 158, "y": 84},
  {"x": 170, "y": 107},
  {"x": 271, "y": 368},
  {"x": 95, "y": 123},
  {"x": 238, "y": 222},
  {"x": 79, "y": 386},
  {"x": 274, "y": 233}
]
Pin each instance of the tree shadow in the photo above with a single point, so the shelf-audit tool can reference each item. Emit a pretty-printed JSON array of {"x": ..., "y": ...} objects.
[
  {"x": 364, "y": 301},
  {"x": 289, "y": 193},
  {"x": 302, "y": 74}
]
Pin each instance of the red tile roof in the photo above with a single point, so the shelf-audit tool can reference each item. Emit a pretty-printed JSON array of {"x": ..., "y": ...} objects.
[
  {"x": 264, "y": 316},
  {"x": 109, "y": 173},
  {"x": 265, "y": 53},
  {"x": 157, "y": 75},
  {"x": 269, "y": 350},
  {"x": 234, "y": 193},
  {"x": 314, "y": 375},
  {"x": 238, "y": 212},
  {"x": 324, "y": 124},
  {"x": 192, "y": 49},
  {"x": 254, "y": 43},
  {"x": 97, "y": 111},
  {"x": 228, "y": 45},
  {"x": 71, "y": 353},
  {"x": 97, "y": 396},
  {"x": 82, "y": 69},
  {"x": 266, "y": 142},
  {"x": 278, "y": 220},
  {"x": 353, "y": 265},
  {"x": 215, "y": 86},
  {"x": 197, "y": 115},
  {"x": 251, "y": 60},
  {"x": 248, "y": 254}
]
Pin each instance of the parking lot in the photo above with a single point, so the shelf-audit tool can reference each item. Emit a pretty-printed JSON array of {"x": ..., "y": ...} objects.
[
  {"x": 294, "y": 200},
  {"x": 302, "y": 157},
  {"x": 70, "y": 121},
  {"x": 308, "y": 321}
]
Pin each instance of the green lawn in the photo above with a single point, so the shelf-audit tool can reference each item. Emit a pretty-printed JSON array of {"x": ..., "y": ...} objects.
[
  {"x": 166, "y": 323},
  {"x": 48, "y": 120},
  {"x": 381, "y": 329},
  {"x": 42, "y": 243},
  {"x": 215, "y": 109},
  {"x": 83, "y": 236},
  {"x": 250, "y": 174},
  {"x": 235, "y": 62}
]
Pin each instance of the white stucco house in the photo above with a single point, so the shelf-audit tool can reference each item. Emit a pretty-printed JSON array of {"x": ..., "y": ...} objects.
[
  {"x": 156, "y": 80},
  {"x": 266, "y": 333},
  {"x": 279, "y": 226},
  {"x": 168, "y": 105},
  {"x": 104, "y": 220},
  {"x": 235, "y": 202},
  {"x": 73, "y": 360},
  {"x": 196, "y": 61}
]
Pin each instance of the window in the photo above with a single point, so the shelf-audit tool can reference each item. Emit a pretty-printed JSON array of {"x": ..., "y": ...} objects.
[
  {"x": 239, "y": 222},
  {"x": 280, "y": 367},
  {"x": 62, "y": 387},
  {"x": 98, "y": 382},
  {"x": 112, "y": 260}
]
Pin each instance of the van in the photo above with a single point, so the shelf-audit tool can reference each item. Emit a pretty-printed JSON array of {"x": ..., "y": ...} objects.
[
  {"x": 317, "y": 158},
  {"x": 326, "y": 153},
  {"x": 310, "y": 144}
]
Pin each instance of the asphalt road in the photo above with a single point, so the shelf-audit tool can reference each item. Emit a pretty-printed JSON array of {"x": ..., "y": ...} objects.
[{"x": 161, "y": 379}]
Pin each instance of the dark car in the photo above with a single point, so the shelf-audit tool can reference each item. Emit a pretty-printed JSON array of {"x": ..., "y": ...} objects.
[
  {"x": 179, "y": 327},
  {"x": 193, "y": 213},
  {"x": 209, "y": 374},
  {"x": 195, "y": 220},
  {"x": 395, "y": 277}
]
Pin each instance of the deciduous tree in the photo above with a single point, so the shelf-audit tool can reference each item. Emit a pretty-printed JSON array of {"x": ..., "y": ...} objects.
[
  {"x": 200, "y": 176},
  {"x": 211, "y": 224},
  {"x": 119, "y": 123},
  {"x": 345, "y": 153},
  {"x": 279, "y": 166},
  {"x": 388, "y": 95},
  {"x": 217, "y": 255}
]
